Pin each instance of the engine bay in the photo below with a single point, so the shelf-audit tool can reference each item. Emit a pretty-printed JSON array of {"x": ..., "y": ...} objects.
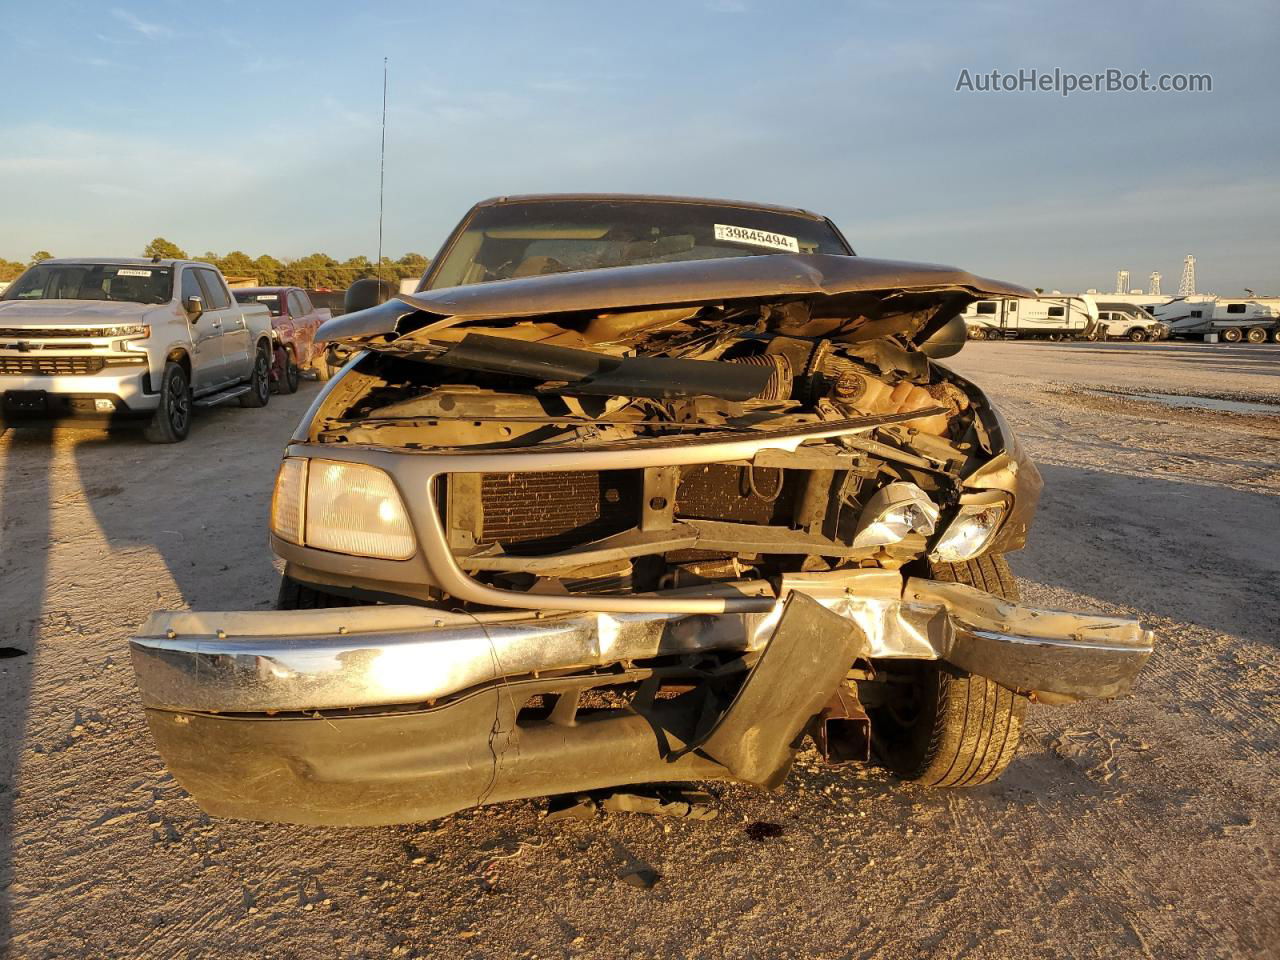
[{"x": 652, "y": 380}]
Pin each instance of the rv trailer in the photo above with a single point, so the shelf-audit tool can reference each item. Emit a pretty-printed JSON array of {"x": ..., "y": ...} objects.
[
  {"x": 1034, "y": 318},
  {"x": 1254, "y": 320}
]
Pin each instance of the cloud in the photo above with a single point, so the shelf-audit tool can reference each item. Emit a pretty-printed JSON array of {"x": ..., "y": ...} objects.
[
  {"x": 261, "y": 64},
  {"x": 152, "y": 31},
  {"x": 56, "y": 156},
  {"x": 726, "y": 6}
]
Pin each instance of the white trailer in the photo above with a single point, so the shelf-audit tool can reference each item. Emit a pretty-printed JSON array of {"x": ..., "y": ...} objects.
[
  {"x": 1044, "y": 318},
  {"x": 1255, "y": 319},
  {"x": 1147, "y": 301}
]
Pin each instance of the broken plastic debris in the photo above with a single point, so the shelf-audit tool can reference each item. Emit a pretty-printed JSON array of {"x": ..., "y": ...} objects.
[
  {"x": 685, "y": 804},
  {"x": 689, "y": 804},
  {"x": 580, "y": 807}
]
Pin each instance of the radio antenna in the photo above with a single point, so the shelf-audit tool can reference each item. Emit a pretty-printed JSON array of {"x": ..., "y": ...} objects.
[{"x": 382, "y": 163}]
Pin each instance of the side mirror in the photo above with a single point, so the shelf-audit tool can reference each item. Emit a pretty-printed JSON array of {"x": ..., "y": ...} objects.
[
  {"x": 366, "y": 293},
  {"x": 947, "y": 340},
  {"x": 194, "y": 307}
]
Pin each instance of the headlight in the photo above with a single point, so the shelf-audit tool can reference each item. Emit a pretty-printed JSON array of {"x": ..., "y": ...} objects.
[
  {"x": 348, "y": 508},
  {"x": 895, "y": 511},
  {"x": 130, "y": 334},
  {"x": 970, "y": 532},
  {"x": 134, "y": 331}
]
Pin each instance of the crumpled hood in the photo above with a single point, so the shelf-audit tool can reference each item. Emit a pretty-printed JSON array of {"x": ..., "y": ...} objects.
[
  {"x": 77, "y": 312},
  {"x": 858, "y": 288}
]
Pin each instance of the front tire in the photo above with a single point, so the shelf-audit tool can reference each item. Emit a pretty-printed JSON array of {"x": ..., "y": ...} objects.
[
  {"x": 289, "y": 374},
  {"x": 948, "y": 727},
  {"x": 259, "y": 381},
  {"x": 172, "y": 420}
]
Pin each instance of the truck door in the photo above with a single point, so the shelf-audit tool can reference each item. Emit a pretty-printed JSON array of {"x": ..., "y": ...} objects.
[
  {"x": 235, "y": 335},
  {"x": 206, "y": 334},
  {"x": 302, "y": 327}
]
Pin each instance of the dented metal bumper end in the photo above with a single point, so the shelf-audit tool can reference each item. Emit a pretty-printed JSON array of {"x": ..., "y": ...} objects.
[{"x": 400, "y": 766}]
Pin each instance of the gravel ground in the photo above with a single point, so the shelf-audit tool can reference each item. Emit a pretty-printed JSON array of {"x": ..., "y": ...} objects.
[{"x": 1139, "y": 827}]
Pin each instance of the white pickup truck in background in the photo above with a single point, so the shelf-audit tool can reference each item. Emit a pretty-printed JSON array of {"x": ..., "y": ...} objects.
[{"x": 124, "y": 339}]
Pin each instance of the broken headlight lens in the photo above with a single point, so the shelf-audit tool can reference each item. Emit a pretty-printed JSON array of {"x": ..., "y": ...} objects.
[
  {"x": 355, "y": 508},
  {"x": 968, "y": 535},
  {"x": 893, "y": 513}
]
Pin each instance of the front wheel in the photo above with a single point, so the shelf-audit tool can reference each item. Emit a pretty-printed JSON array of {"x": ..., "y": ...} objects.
[
  {"x": 943, "y": 726},
  {"x": 259, "y": 381},
  {"x": 287, "y": 374},
  {"x": 172, "y": 420}
]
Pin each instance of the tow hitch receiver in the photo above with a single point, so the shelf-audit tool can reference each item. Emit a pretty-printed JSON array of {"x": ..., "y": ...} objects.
[{"x": 842, "y": 731}]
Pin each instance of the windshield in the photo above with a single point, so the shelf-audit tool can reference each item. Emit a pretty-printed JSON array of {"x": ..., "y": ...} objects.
[
  {"x": 269, "y": 300},
  {"x": 119, "y": 283},
  {"x": 554, "y": 236}
]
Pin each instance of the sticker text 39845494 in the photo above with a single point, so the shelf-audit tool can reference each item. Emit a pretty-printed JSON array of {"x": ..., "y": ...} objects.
[{"x": 756, "y": 238}]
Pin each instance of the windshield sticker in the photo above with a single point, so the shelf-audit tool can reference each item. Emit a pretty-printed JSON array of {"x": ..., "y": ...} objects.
[
  {"x": 265, "y": 296},
  {"x": 757, "y": 238},
  {"x": 123, "y": 272}
]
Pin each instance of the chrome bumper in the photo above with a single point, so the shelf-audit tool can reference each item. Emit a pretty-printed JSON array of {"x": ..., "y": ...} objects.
[{"x": 363, "y": 657}]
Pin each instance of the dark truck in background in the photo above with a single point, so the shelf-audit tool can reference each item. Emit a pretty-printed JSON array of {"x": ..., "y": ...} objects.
[{"x": 633, "y": 489}]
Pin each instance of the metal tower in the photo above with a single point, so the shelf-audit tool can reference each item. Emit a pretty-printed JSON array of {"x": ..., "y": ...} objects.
[
  {"x": 1122, "y": 281},
  {"x": 1187, "y": 287},
  {"x": 1154, "y": 283}
]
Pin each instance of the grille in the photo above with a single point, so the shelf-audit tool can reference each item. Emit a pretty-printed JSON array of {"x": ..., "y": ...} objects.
[
  {"x": 53, "y": 333},
  {"x": 533, "y": 513},
  {"x": 51, "y": 366},
  {"x": 538, "y": 513},
  {"x": 716, "y": 491}
]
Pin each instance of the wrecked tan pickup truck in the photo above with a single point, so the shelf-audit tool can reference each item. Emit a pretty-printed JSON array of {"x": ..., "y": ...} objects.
[{"x": 632, "y": 490}]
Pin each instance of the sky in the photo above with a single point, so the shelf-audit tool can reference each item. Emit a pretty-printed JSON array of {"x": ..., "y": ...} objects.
[{"x": 232, "y": 125}]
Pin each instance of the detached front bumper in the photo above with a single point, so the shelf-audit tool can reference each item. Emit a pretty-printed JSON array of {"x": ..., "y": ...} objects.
[{"x": 389, "y": 714}]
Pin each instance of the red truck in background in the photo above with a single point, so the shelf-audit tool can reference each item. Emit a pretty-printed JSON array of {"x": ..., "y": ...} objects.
[{"x": 294, "y": 321}]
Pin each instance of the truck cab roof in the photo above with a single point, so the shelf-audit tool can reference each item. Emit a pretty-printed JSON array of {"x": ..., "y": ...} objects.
[
  {"x": 647, "y": 198},
  {"x": 127, "y": 261}
]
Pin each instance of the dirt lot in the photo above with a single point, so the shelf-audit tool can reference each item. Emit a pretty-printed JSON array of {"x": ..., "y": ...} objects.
[{"x": 1140, "y": 827}]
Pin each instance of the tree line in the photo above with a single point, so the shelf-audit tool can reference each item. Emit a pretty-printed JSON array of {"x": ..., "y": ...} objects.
[{"x": 316, "y": 271}]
